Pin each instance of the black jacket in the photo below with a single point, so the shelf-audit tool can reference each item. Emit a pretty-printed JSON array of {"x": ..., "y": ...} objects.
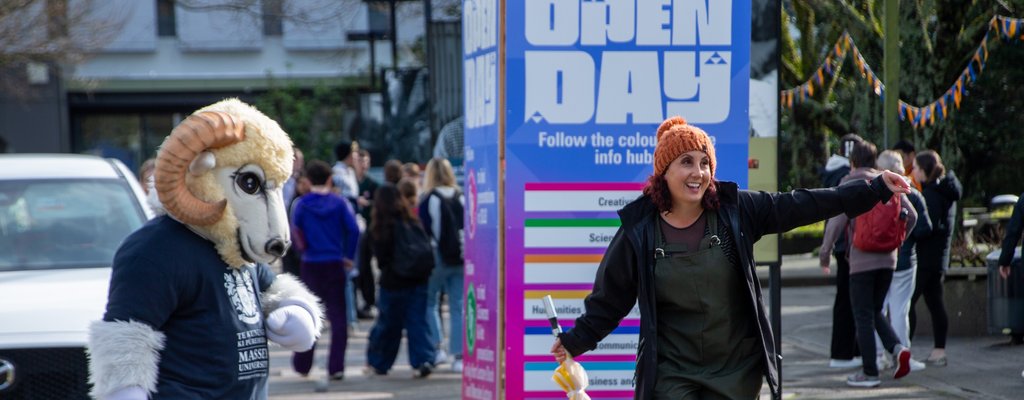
[
  {"x": 626, "y": 275},
  {"x": 941, "y": 197},
  {"x": 1013, "y": 231}
]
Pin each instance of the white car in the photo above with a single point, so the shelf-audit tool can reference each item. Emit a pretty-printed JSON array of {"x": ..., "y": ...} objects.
[{"x": 62, "y": 217}]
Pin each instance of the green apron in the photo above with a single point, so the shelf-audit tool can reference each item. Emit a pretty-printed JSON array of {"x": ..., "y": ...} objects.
[{"x": 707, "y": 335}]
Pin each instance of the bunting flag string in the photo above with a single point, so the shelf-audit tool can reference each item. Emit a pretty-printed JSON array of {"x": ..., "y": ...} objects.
[{"x": 939, "y": 109}]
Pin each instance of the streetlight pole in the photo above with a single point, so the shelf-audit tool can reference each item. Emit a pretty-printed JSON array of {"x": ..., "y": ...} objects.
[{"x": 891, "y": 74}]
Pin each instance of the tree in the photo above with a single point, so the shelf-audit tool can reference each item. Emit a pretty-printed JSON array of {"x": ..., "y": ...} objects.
[
  {"x": 938, "y": 39},
  {"x": 55, "y": 33}
]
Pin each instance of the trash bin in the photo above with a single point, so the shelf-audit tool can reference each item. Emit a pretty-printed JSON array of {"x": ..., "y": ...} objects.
[{"x": 1006, "y": 297}]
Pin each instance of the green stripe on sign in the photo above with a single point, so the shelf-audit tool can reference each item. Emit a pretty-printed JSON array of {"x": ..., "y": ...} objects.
[{"x": 572, "y": 223}]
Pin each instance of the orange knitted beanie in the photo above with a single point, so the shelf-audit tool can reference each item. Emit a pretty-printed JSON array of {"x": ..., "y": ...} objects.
[{"x": 676, "y": 137}]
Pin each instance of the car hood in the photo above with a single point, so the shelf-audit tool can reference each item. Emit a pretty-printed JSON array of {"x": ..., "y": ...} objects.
[{"x": 46, "y": 308}]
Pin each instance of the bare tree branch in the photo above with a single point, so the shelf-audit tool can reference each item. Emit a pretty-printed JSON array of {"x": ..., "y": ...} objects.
[{"x": 54, "y": 32}]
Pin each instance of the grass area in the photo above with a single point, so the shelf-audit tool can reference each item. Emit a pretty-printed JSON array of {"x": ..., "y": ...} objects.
[{"x": 815, "y": 230}]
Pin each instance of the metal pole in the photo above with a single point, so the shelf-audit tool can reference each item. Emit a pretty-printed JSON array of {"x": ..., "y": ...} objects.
[
  {"x": 394, "y": 35},
  {"x": 775, "y": 296},
  {"x": 373, "y": 61},
  {"x": 891, "y": 75}
]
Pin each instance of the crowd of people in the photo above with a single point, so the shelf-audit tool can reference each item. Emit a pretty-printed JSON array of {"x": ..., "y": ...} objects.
[
  {"x": 397, "y": 244},
  {"x": 879, "y": 283}
]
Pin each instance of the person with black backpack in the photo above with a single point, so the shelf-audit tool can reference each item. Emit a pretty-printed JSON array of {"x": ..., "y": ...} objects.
[
  {"x": 441, "y": 211},
  {"x": 406, "y": 260}
]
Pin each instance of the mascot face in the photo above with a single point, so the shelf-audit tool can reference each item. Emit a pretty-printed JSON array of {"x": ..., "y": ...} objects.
[
  {"x": 257, "y": 201},
  {"x": 221, "y": 171}
]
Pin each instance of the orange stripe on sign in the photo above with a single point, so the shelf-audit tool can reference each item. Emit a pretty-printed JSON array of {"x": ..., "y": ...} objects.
[
  {"x": 557, "y": 294},
  {"x": 562, "y": 258}
]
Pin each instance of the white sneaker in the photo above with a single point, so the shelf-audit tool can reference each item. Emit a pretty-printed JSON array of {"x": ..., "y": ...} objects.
[
  {"x": 861, "y": 380},
  {"x": 883, "y": 362},
  {"x": 856, "y": 362},
  {"x": 441, "y": 357},
  {"x": 917, "y": 365},
  {"x": 457, "y": 366}
]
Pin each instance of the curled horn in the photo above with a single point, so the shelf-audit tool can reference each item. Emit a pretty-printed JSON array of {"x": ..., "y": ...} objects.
[{"x": 194, "y": 135}]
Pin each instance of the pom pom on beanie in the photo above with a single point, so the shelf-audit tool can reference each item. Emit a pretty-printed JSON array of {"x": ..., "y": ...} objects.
[{"x": 676, "y": 137}]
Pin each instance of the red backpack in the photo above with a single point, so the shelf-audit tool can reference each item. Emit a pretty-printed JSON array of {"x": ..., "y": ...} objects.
[{"x": 882, "y": 229}]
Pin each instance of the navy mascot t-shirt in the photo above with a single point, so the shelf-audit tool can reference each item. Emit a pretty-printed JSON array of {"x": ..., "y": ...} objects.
[{"x": 173, "y": 280}]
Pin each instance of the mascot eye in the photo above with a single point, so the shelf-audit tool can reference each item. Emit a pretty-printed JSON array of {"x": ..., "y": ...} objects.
[{"x": 248, "y": 182}]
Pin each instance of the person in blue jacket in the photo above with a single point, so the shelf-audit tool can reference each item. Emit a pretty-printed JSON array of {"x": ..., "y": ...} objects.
[{"x": 327, "y": 235}]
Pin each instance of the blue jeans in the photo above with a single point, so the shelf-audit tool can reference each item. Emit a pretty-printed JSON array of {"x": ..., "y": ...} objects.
[
  {"x": 400, "y": 309},
  {"x": 450, "y": 278}
]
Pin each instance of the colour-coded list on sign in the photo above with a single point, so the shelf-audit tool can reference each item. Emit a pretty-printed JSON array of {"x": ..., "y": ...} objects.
[{"x": 566, "y": 228}]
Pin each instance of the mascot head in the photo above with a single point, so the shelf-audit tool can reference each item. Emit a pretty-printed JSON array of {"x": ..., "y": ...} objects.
[{"x": 221, "y": 172}]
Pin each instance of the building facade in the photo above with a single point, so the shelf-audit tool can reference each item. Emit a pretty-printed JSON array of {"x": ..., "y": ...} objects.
[{"x": 169, "y": 58}]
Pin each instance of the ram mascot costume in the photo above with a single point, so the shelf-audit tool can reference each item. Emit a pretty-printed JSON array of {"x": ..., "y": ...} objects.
[{"x": 192, "y": 300}]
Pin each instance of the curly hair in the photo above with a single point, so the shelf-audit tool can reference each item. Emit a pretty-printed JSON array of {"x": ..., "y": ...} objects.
[{"x": 657, "y": 189}]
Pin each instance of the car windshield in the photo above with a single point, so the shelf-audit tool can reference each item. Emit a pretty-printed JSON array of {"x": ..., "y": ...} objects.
[{"x": 64, "y": 223}]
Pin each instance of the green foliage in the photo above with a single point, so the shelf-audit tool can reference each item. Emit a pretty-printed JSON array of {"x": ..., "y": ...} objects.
[
  {"x": 815, "y": 230},
  {"x": 937, "y": 38},
  {"x": 312, "y": 117}
]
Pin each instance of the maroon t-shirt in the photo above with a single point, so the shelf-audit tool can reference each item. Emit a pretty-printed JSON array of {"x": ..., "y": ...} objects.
[{"x": 689, "y": 236}]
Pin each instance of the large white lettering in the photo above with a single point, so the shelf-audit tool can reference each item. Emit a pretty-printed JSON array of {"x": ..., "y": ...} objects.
[
  {"x": 614, "y": 22},
  {"x": 480, "y": 37},
  {"x": 565, "y": 86},
  {"x": 702, "y": 97},
  {"x": 628, "y": 86},
  {"x": 560, "y": 86},
  {"x": 479, "y": 32},
  {"x": 657, "y": 22}
]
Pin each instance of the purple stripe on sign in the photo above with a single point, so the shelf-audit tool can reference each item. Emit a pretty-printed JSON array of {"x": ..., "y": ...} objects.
[
  {"x": 581, "y": 186},
  {"x": 567, "y": 250}
]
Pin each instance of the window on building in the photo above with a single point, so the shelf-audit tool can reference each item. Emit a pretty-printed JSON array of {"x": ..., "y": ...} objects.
[
  {"x": 165, "y": 21},
  {"x": 272, "y": 10}
]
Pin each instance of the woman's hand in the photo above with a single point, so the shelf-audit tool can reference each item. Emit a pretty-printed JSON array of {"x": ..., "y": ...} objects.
[
  {"x": 1004, "y": 271},
  {"x": 559, "y": 351},
  {"x": 895, "y": 182}
]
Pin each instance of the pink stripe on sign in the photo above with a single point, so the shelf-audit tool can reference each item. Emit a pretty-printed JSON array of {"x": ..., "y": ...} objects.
[{"x": 582, "y": 186}]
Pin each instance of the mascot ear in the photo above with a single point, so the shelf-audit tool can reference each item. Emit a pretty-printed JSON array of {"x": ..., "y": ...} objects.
[{"x": 204, "y": 162}]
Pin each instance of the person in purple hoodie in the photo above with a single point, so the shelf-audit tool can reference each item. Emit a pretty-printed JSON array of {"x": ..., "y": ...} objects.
[{"x": 325, "y": 231}]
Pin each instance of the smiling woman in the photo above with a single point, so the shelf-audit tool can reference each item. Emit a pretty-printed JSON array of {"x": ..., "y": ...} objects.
[{"x": 689, "y": 227}]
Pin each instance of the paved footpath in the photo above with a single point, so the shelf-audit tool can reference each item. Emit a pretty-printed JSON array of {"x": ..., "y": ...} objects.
[
  {"x": 979, "y": 368},
  {"x": 984, "y": 368}
]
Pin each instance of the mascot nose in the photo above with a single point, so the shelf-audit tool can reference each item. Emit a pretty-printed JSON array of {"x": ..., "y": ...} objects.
[{"x": 276, "y": 247}]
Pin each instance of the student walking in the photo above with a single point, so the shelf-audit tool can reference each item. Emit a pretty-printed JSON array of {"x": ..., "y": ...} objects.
[
  {"x": 874, "y": 238},
  {"x": 406, "y": 261},
  {"x": 941, "y": 190},
  {"x": 326, "y": 234},
  {"x": 897, "y": 301},
  {"x": 441, "y": 211}
]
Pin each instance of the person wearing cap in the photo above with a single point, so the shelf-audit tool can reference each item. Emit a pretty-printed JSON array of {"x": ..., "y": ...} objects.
[{"x": 684, "y": 255}]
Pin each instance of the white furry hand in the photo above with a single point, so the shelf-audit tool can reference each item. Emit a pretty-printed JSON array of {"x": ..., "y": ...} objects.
[
  {"x": 291, "y": 327},
  {"x": 128, "y": 393}
]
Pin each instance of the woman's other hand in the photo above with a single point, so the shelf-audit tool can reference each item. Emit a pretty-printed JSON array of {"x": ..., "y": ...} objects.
[
  {"x": 559, "y": 351},
  {"x": 895, "y": 182}
]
